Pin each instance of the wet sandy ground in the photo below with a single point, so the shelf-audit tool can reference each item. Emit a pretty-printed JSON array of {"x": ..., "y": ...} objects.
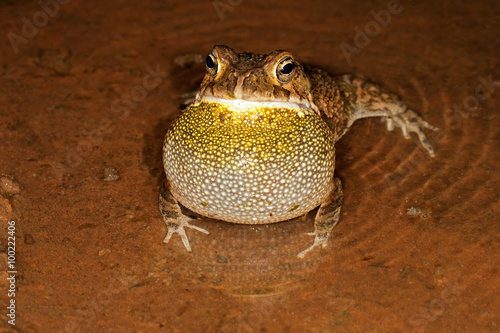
[{"x": 417, "y": 247}]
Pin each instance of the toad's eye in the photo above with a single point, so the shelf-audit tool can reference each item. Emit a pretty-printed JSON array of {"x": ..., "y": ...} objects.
[
  {"x": 285, "y": 69},
  {"x": 212, "y": 63}
]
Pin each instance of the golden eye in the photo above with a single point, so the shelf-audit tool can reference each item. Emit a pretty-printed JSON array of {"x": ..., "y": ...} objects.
[
  {"x": 285, "y": 69},
  {"x": 212, "y": 63}
]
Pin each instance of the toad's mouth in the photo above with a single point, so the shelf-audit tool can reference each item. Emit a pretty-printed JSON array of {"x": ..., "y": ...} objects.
[{"x": 241, "y": 104}]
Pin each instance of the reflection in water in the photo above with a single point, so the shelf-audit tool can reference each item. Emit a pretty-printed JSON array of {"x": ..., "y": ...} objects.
[{"x": 252, "y": 260}]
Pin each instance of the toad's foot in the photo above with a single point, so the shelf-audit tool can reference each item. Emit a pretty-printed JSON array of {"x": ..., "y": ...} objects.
[
  {"x": 173, "y": 217},
  {"x": 327, "y": 217},
  {"x": 410, "y": 121},
  {"x": 319, "y": 239},
  {"x": 178, "y": 227},
  {"x": 371, "y": 100}
]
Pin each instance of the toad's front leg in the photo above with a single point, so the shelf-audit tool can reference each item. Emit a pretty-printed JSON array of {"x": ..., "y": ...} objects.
[
  {"x": 175, "y": 220},
  {"x": 370, "y": 100},
  {"x": 327, "y": 218}
]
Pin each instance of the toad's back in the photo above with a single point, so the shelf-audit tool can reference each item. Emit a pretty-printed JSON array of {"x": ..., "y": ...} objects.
[{"x": 256, "y": 165}]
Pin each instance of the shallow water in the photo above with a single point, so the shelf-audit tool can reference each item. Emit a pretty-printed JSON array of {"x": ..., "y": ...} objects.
[{"x": 417, "y": 245}]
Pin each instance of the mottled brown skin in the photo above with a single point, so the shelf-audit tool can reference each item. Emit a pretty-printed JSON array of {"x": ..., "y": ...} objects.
[{"x": 266, "y": 86}]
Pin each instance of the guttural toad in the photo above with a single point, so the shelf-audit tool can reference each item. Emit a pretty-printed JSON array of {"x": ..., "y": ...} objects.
[{"x": 257, "y": 145}]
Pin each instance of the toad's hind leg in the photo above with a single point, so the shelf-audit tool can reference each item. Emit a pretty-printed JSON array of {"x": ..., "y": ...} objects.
[
  {"x": 175, "y": 220},
  {"x": 370, "y": 100},
  {"x": 327, "y": 218}
]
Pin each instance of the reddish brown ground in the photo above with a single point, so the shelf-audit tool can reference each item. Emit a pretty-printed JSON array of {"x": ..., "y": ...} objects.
[{"x": 89, "y": 255}]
